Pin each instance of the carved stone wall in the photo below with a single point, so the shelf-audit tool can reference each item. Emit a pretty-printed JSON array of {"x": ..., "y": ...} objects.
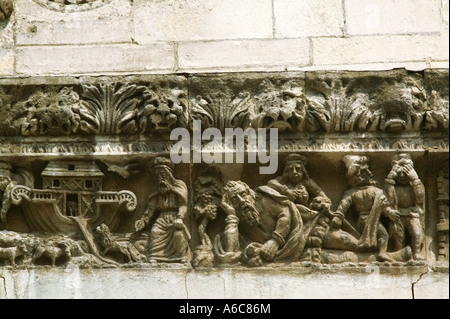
[
  {"x": 83, "y": 160},
  {"x": 65, "y": 37}
]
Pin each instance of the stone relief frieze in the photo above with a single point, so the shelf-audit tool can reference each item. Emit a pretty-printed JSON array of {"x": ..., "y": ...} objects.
[
  {"x": 86, "y": 175},
  {"x": 366, "y": 103},
  {"x": 442, "y": 224},
  {"x": 93, "y": 109},
  {"x": 283, "y": 108},
  {"x": 6, "y": 8}
]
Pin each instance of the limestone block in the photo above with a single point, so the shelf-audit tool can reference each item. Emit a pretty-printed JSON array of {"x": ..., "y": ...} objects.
[
  {"x": 75, "y": 283},
  {"x": 243, "y": 55},
  {"x": 6, "y": 62},
  {"x": 40, "y": 60},
  {"x": 392, "y": 17},
  {"x": 444, "y": 12},
  {"x": 383, "y": 49},
  {"x": 308, "y": 18},
  {"x": 6, "y": 33},
  {"x": 37, "y": 24},
  {"x": 181, "y": 20},
  {"x": 378, "y": 66},
  {"x": 431, "y": 286}
]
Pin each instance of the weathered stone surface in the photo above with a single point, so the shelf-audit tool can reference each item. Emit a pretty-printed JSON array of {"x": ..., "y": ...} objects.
[
  {"x": 392, "y": 17},
  {"x": 87, "y": 142},
  {"x": 214, "y": 36},
  {"x": 176, "y": 20},
  {"x": 74, "y": 283},
  {"x": 294, "y": 19},
  {"x": 6, "y": 62},
  {"x": 37, "y": 25},
  {"x": 289, "y": 54},
  {"x": 113, "y": 184},
  {"x": 43, "y": 60},
  {"x": 370, "y": 49}
]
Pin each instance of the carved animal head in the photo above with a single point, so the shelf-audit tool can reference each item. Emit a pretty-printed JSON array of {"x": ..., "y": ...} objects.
[
  {"x": 105, "y": 236},
  {"x": 284, "y": 109},
  {"x": 401, "y": 106},
  {"x": 21, "y": 250},
  {"x": 165, "y": 109}
]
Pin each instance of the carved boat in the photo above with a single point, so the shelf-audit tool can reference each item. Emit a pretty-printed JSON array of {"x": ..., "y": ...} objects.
[{"x": 71, "y": 190}]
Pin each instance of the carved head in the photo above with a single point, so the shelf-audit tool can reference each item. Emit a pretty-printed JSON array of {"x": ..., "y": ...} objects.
[
  {"x": 401, "y": 106},
  {"x": 358, "y": 172},
  {"x": 282, "y": 108},
  {"x": 243, "y": 199},
  {"x": 163, "y": 170},
  {"x": 106, "y": 237},
  {"x": 400, "y": 164},
  {"x": 165, "y": 110},
  {"x": 294, "y": 169}
]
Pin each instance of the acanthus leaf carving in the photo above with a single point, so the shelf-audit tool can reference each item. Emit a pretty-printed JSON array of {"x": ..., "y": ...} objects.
[
  {"x": 109, "y": 108},
  {"x": 334, "y": 110},
  {"x": 220, "y": 110}
]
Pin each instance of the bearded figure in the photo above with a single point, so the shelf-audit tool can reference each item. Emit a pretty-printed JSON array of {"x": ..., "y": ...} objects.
[
  {"x": 260, "y": 226},
  {"x": 169, "y": 237}
]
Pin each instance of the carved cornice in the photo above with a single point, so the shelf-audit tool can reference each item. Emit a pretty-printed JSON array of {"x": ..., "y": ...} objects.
[{"x": 389, "y": 110}]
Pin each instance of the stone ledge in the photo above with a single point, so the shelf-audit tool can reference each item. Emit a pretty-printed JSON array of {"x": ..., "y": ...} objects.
[{"x": 74, "y": 283}]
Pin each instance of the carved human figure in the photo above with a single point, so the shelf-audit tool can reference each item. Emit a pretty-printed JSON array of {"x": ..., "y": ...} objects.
[
  {"x": 261, "y": 225},
  {"x": 406, "y": 194},
  {"x": 304, "y": 192},
  {"x": 169, "y": 237},
  {"x": 370, "y": 203},
  {"x": 6, "y": 185},
  {"x": 296, "y": 184}
]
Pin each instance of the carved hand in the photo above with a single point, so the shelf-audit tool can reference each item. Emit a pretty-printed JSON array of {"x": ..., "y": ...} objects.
[
  {"x": 300, "y": 194},
  {"x": 336, "y": 223},
  {"x": 394, "y": 215},
  {"x": 321, "y": 203},
  {"x": 178, "y": 224},
  {"x": 139, "y": 225},
  {"x": 291, "y": 194},
  {"x": 228, "y": 209},
  {"x": 393, "y": 173},
  {"x": 411, "y": 172}
]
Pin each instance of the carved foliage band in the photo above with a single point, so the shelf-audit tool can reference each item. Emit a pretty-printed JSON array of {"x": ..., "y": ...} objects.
[{"x": 396, "y": 101}]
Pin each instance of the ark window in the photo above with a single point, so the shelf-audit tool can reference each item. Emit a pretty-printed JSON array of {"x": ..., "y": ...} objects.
[{"x": 88, "y": 184}]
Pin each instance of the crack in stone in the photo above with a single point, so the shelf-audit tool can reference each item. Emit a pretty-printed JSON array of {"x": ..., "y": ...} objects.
[
  {"x": 185, "y": 285},
  {"x": 415, "y": 282},
  {"x": 4, "y": 286}
]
